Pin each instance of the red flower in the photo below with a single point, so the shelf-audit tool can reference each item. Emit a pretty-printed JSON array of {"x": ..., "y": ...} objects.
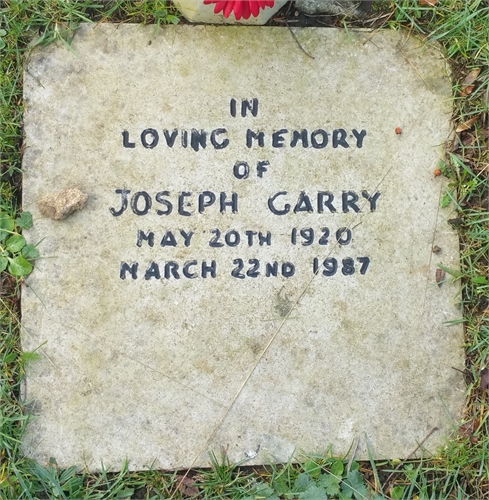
[{"x": 241, "y": 8}]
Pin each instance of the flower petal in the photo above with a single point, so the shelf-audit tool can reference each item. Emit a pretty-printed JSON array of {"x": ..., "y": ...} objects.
[
  {"x": 220, "y": 4},
  {"x": 265, "y": 3},
  {"x": 254, "y": 8},
  {"x": 238, "y": 9},
  {"x": 241, "y": 8},
  {"x": 228, "y": 8},
  {"x": 246, "y": 10}
]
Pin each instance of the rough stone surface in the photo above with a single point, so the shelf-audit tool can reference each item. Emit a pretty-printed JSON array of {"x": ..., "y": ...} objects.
[
  {"x": 149, "y": 369},
  {"x": 59, "y": 205},
  {"x": 350, "y": 8}
]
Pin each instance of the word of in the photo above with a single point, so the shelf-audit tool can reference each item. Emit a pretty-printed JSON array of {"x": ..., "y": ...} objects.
[{"x": 241, "y": 169}]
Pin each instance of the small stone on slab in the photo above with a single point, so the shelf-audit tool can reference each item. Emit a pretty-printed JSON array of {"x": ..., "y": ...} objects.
[{"x": 59, "y": 205}]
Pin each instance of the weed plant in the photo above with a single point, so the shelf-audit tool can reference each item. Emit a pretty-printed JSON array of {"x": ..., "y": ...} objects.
[{"x": 458, "y": 471}]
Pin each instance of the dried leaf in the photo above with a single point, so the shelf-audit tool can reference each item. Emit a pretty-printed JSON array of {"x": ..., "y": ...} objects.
[
  {"x": 466, "y": 429},
  {"x": 467, "y": 125},
  {"x": 440, "y": 276},
  {"x": 186, "y": 486},
  {"x": 456, "y": 222},
  {"x": 466, "y": 86},
  {"x": 467, "y": 90},
  {"x": 485, "y": 378},
  {"x": 456, "y": 142},
  {"x": 430, "y": 3},
  {"x": 468, "y": 140},
  {"x": 471, "y": 77}
]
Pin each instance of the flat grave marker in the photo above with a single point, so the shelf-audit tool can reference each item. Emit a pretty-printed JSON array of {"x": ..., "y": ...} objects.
[{"x": 254, "y": 266}]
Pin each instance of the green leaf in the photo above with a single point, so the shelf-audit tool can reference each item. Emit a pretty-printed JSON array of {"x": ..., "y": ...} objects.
[
  {"x": 24, "y": 221},
  {"x": 18, "y": 266},
  {"x": 446, "y": 199},
  {"x": 397, "y": 492},
  {"x": 3, "y": 263},
  {"x": 67, "y": 474},
  {"x": 49, "y": 478},
  {"x": 262, "y": 491},
  {"x": 354, "y": 465},
  {"x": 330, "y": 483},
  {"x": 15, "y": 243},
  {"x": 27, "y": 357},
  {"x": 125, "y": 493},
  {"x": 7, "y": 225},
  {"x": 479, "y": 280},
  {"x": 302, "y": 482},
  {"x": 6, "y": 222},
  {"x": 161, "y": 13},
  {"x": 313, "y": 493},
  {"x": 337, "y": 468},
  {"x": 353, "y": 485},
  {"x": 280, "y": 485},
  {"x": 312, "y": 468},
  {"x": 30, "y": 252},
  {"x": 411, "y": 472}
]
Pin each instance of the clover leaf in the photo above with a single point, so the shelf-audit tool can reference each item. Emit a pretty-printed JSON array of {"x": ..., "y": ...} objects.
[
  {"x": 30, "y": 252},
  {"x": 15, "y": 243},
  {"x": 7, "y": 225},
  {"x": 18, "y": 266},
  {"x": 15, "y": 253},
  {"x": 24, "y": 221}
]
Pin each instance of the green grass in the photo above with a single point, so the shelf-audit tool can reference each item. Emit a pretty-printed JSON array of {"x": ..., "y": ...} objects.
[{"x": 459, "y": 471}]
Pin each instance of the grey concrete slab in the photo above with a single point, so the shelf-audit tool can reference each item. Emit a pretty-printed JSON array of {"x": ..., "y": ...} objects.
[{"x": 179, "y": 311}]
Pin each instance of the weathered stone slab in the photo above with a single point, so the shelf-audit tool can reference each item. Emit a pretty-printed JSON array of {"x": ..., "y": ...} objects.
[{"x": 151, "y": 319}]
